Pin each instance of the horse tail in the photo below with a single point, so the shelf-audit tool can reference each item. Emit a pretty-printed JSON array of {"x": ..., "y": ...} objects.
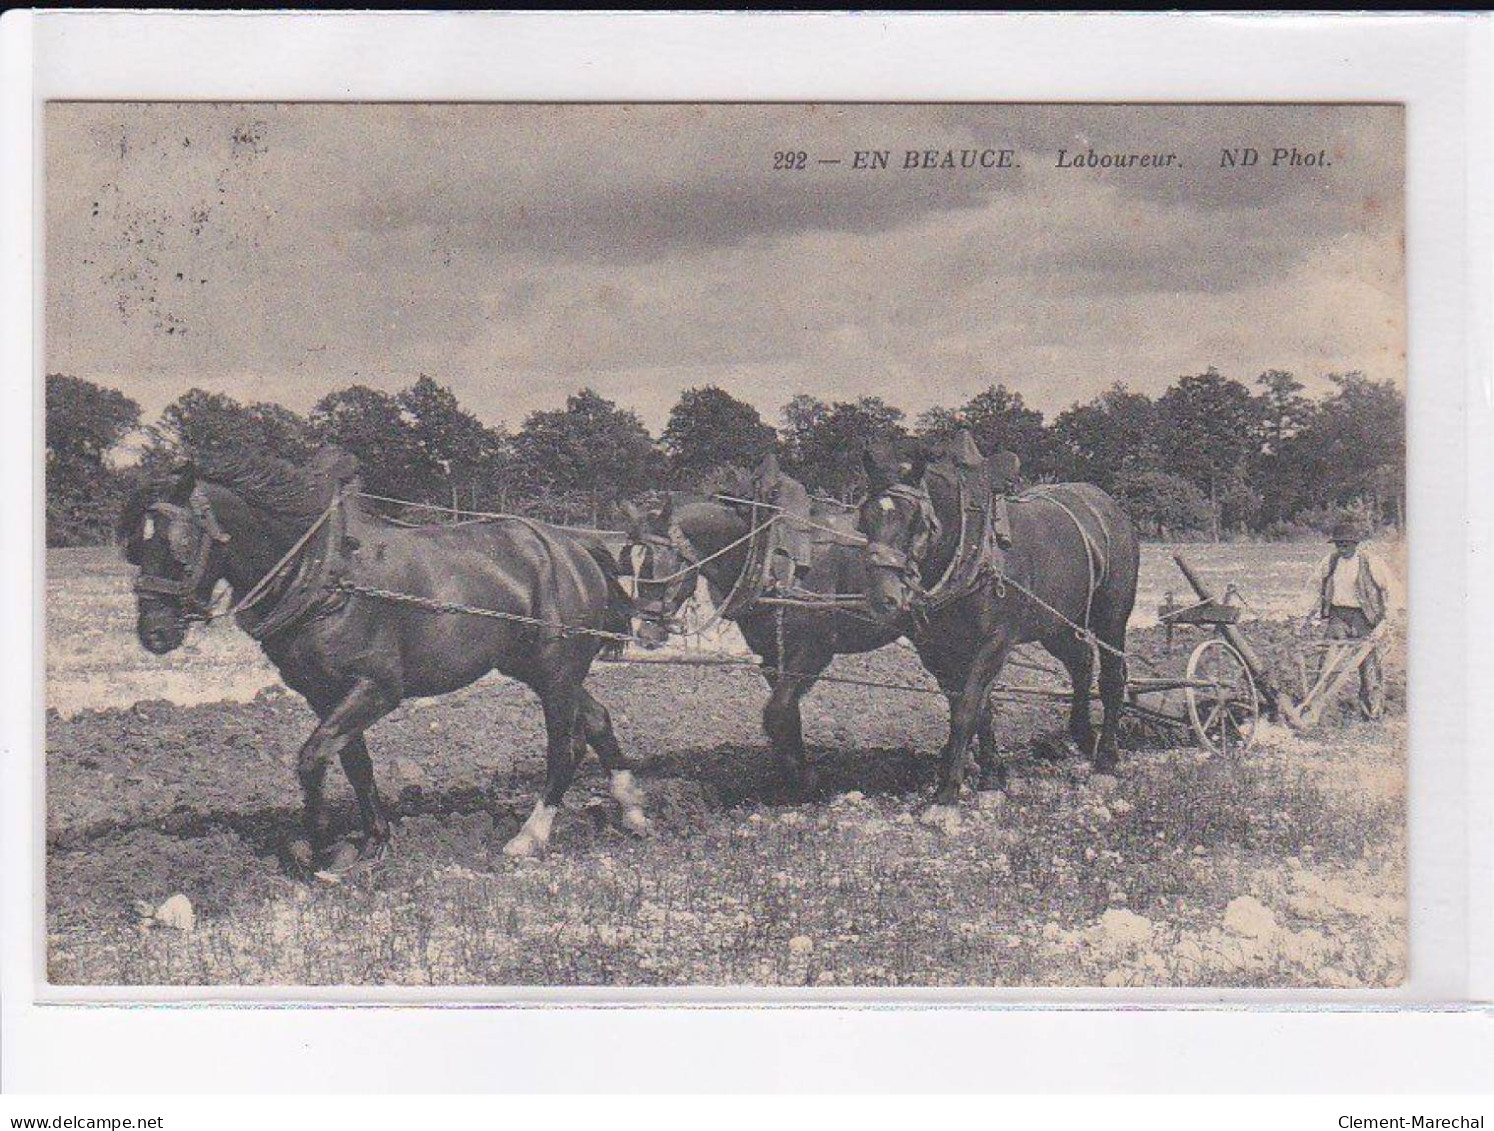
[{"x": 619, "y": 616}]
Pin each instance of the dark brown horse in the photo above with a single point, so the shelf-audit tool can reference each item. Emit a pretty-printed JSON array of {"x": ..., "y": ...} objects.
[
  {"x": 1072, "y": 566},
  {"x": 684, "y": 540},
  {"x": 356, "y": 655}
]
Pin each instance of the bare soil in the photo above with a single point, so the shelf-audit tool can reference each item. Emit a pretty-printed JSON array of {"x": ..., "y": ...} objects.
[{"x": 1284, "y": 866}]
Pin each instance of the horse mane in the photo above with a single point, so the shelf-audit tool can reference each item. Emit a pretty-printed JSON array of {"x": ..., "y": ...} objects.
[{"x": 288, "y": 492}]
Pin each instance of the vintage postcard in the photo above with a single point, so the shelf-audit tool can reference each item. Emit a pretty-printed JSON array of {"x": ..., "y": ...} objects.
[{"x": 842, "y": 546}]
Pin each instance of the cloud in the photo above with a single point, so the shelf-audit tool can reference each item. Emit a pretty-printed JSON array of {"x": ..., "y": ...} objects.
[{"x": 281, "y": 251}]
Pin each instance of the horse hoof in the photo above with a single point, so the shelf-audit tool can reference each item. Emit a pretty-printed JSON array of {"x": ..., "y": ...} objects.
[
  {"x": 300, "y": 857},
  {"x": 523, "y": 846},
  {"x": 636, "y": 822},
  {"x": 377, "y": 850}
]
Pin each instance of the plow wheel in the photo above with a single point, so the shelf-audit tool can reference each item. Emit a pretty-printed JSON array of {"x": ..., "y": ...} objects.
[{"x": 1222, "y": 702}]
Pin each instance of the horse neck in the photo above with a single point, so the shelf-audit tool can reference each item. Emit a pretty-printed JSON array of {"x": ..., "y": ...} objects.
[
  {"x": 257, "y": 537},
  {"x": 944, "y": 493},
  {"x": 710, "y": 528}
]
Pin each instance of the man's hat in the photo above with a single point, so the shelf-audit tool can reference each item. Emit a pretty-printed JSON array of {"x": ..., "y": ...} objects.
[{"x": 1347, "y": 530}]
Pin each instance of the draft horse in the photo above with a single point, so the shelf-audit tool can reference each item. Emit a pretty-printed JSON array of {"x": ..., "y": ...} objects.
[
  {"x": 685, "y": 539},
  {"x": 300, "y": 557},
  {"x": 1067, "y": 581}
]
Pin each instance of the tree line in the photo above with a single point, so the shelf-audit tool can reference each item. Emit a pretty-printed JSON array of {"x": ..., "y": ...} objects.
[{"x": 1210, "y": 457}]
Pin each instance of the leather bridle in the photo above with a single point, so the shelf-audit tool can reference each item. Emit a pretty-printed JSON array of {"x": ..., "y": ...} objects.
[
  {"x": 674, "y": 589},
  {"x": 192, "y": 531},
  {"x": 894, "y": 559}
]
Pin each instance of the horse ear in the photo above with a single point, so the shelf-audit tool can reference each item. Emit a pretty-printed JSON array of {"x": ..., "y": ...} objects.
[
  {"x": 880, "y": 473},
  {"x": 1005, "y": 468}
]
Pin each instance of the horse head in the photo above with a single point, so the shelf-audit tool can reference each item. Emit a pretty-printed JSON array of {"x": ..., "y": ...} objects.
[
  {"x": 170, "y": 531},
  {"x": 901, "y": 527},
  {"x": 662, "y": 564}
]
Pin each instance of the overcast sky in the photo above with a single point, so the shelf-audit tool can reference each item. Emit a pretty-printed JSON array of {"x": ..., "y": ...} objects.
[{"x": 278, "y": 252}]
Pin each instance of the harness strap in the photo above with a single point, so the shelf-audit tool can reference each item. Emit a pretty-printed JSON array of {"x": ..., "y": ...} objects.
[
  {"x": 309, "y": 589},
  {"x": 1097, "y": 560}
]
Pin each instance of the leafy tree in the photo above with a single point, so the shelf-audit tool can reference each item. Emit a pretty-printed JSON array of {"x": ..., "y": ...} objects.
[
  {"x": 999, "y": 420},
  {"x": 372, "y": 425},
  {"x": 1095, "y": 442},
  {"x": 823, "y": 443},
  {"x": 1284, "y": 413},
  {"x": 1284, "y": 410},
  {"x": 1210, "y": 429},
  {"x": 84, "y": 419},
  {"x": 583, "y": 457},
  {"x": 203, "y": 426},
  {"x": 1162, "y": 503},
  {"x": 83, "y": 422},
  {"x": 455, "y": 448},
  {"x": 709, "y": 428},
  {"x": 1354, "y": 449}
]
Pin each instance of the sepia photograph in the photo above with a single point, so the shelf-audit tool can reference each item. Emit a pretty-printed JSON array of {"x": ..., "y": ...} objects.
[{"x": 822, "y": 546}]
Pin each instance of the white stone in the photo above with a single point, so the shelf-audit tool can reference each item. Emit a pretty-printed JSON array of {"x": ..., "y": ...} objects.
[
  {"x": 177, "y": 913},
  {"x": 1125, "y": 928},
  {"x": 1250, "y": 918}
]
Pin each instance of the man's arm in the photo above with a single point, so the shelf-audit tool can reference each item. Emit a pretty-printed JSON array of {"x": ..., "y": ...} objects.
[{"x": 1389, "y": 583}]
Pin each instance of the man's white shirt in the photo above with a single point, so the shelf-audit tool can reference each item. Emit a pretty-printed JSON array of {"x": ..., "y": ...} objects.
[{"x": 1343, "y": 590}]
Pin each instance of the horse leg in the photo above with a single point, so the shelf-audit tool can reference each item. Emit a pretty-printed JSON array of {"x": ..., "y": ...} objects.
[
  {"x": 596, "y": 725},
  {"x": 785, "y": 725},
  {"x": 359, "y": 709},
  {"x": 1112, "y": 697},
  {"x": 987, "y": 754},
  {"x": 1076, "y": 657},
  {"x": 561, "y": 755},
  {"x": 965, "y": 717},
  {"x": 359, "y": 768}
]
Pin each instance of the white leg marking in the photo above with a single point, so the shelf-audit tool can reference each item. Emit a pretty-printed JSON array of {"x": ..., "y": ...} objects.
[
  {"x": 535, "y": 834},
  {"x": 627, "y": 794}
]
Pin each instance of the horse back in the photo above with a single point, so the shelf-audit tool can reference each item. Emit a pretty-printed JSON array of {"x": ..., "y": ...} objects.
[
  {"x": 1047, "y": 522},
  {"x": 516, "y": 566}
]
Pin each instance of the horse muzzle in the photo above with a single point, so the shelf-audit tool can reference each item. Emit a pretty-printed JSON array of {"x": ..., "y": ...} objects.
[
  {"x": 651, "y": 633},
  {"x": 896, "y": 584},
  {"x": 160, "y": 631}
]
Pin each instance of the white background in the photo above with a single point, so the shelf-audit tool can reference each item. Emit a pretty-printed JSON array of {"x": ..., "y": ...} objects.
[{"x": 1437, "y": 66}]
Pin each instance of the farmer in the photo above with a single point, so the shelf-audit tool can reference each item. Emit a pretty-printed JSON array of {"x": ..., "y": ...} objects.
[{"x": 1353, "y": 591}]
